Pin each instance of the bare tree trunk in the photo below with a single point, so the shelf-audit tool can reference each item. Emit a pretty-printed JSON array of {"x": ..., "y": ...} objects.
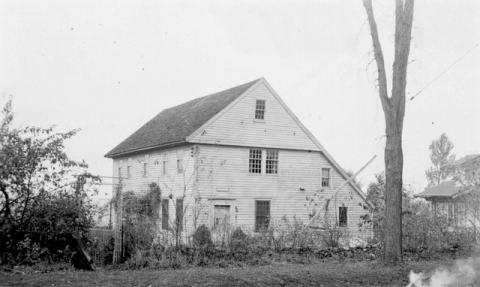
[{"x": 394, "y": 110}]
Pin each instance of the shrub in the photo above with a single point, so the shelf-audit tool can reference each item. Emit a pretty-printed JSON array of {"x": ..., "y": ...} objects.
[
  {"x": 425, "y": 232},
  {"x": 239, "y": 240},
  {"x": 202, "y": 237},
  {"x": 332, "y": 234}
]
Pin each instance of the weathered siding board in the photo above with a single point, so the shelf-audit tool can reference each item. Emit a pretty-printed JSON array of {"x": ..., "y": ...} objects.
[
  {"x": 223, "y": 174},
  {"x": 172, "y": 183},
  {"x": 237, "y": 125}
]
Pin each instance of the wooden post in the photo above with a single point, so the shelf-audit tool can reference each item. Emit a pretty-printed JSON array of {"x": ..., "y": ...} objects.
[{"x": 117, "y": 250}]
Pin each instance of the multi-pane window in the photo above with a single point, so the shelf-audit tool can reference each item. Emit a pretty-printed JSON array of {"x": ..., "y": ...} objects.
[
  {"x": 144, "y": 169},
  {"x": 262, "y": 215},
  {"x": 165, "y": 214},
  {"x": 260, "y": 110},
  {"x": 179, "y": 214},
  {"x": 271, "y": 164},
  {"x": 342, "y": 216},
  {"x": 179, "y": 166},
  {"x": 325, "y": 177},
  {"x": 129, "y": 171},
  {"x": 255, "y": 161},
  {"x": 164, "y": 167}
]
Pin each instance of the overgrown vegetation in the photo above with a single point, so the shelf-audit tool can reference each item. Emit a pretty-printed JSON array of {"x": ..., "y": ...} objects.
[
  {"x": 44, "y": 201},
  {"x": 423, "y": 232}
]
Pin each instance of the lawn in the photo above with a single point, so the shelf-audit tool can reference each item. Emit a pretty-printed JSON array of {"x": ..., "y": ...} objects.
[{"x": 328, "y": 273}]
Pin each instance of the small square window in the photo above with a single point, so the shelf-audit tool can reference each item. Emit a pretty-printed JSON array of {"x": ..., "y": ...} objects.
[
  {"x": 255, "y": 161},
  {"x": 260, "y": 110},
  {"x": 325, "y": 177},
  {"x": 271, "y": 164}
]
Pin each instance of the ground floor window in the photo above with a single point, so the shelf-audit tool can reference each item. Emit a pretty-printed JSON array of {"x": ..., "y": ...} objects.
[
  {"x": 262, "y": 215},
  {"x": 179, "y": 214},
  {"x": 165, "y": 214},
  {"x": 342, "y": 216}
]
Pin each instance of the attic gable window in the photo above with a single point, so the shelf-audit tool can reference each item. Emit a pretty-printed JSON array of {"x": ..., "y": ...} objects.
[
  {"x": 255, "y": 161},
  {"x": 260, "y": 110},
  {"x": 325, "y": 177},
  {"x": 271, "y": 164}
]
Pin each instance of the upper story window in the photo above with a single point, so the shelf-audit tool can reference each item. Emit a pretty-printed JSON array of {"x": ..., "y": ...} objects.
[
  {"x": 144, "y": 169},
  {"x": 271, "y": 164},
  {"x": 260, "y": 110},
  {"x": 179, "y": 166},
  {"x": 129, "y": 172},
  {"x": 164, "y": 167},
  {"x": 325, "y": 177},
  {"x": 255, "y": 161},
  {"x": 119, "y": 173},
  {"x": 342, "y": 216}
]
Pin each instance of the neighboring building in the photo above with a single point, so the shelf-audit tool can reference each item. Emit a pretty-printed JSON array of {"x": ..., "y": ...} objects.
[
  {"x": 459, "y": 198},
  {"x": 238, "y": 157}
]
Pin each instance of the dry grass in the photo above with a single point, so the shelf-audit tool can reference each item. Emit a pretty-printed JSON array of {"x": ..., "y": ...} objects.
[{"x": 319, "y": 274}]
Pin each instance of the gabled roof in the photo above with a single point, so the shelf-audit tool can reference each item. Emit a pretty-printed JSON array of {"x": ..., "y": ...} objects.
[
  {"x": 173, "y": 125},
  {"x": 444, "y": 189}
]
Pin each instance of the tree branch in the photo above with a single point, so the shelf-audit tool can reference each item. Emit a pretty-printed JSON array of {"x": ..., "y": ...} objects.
[
  {"x": 403, "y": 34},
  {"x": 377, "y": 49}
]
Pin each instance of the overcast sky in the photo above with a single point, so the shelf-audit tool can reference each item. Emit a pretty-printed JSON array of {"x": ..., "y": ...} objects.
[{"x": 107, "y": 67}]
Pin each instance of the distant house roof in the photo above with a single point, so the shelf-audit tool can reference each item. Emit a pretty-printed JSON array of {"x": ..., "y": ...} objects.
[
  {"x": 173, "y": 125},
  {"x": 448, "y": 189},
  {"x": 444, "y": 189}
]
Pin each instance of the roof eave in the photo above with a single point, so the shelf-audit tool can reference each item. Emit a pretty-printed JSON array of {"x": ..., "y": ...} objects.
[{"x": 143, "y": 149}]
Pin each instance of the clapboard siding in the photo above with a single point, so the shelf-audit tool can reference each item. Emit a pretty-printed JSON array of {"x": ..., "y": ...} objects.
[
  {"x": 223, "y": 174},
  {"x": 172, "y": 185},
  {"x": 216, "y": 159},
  {"x": 237, "y": 125}
]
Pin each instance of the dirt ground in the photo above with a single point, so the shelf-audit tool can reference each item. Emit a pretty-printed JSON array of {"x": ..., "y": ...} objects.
[{"x": 318, "y": 274}]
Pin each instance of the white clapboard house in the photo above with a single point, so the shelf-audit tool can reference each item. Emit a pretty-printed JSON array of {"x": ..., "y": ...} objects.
[{"x": 238, "y": 157}]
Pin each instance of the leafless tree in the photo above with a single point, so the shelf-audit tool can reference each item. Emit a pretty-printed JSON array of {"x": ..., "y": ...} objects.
[{"x": 394, "y": 110}]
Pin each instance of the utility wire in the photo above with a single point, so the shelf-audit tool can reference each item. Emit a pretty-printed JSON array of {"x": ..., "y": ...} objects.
[{"x": 444, "y": 71}]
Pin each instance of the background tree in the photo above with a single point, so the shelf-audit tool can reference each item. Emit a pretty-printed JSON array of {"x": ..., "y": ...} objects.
[
  {"x": 394, "y": 110},
  {"x": 442, "y": 159},
  {"x": 41, "y": 199}
]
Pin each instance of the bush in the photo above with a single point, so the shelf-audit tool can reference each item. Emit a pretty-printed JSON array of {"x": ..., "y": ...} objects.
[
  {"x": 202, "y": 237},
  {"x": 332, "y": 235},
  {"x": 239, "y": 240},
  {"x": 427, "y": 233}
]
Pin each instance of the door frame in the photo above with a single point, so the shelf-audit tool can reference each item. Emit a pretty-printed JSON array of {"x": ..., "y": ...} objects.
[{"x": 211, "y": 213}]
